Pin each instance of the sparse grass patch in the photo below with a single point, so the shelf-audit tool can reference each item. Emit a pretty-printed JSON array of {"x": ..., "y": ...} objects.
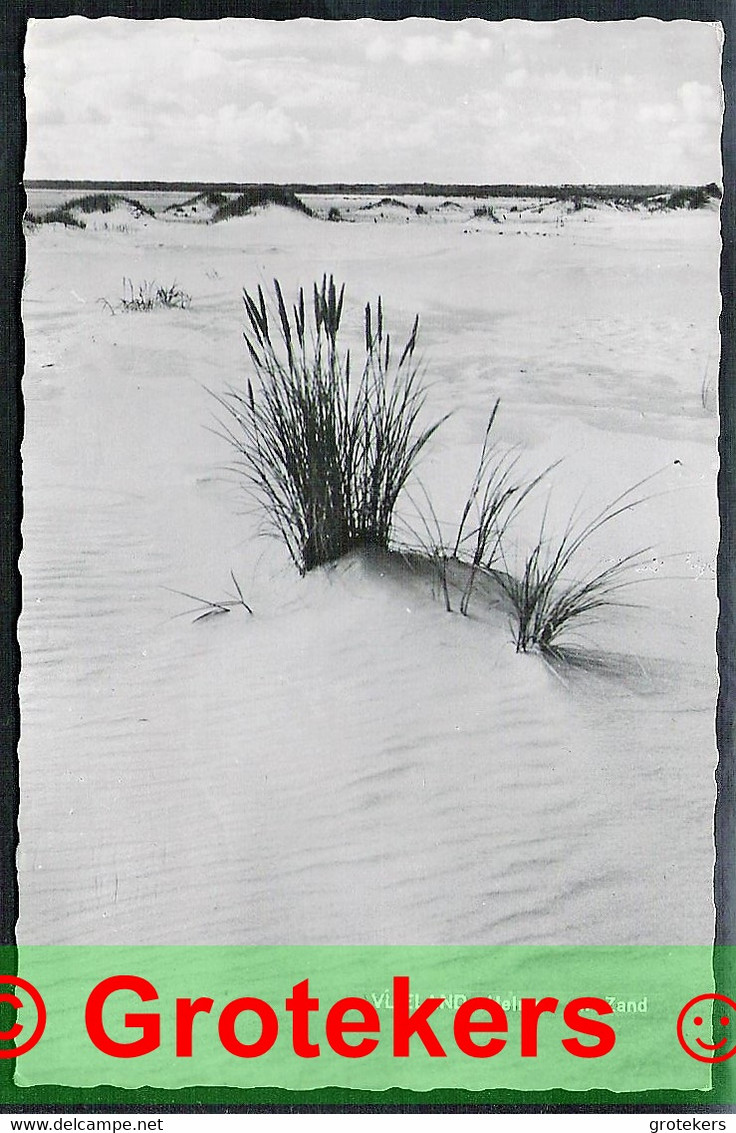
[
  {"x": 493, "y": 501},
  {"x": 206, "y": 608},
  {"x": 709, "y": 389},
  {"x": 547, "y": 600},
  {"x": 149, "y": 296},
  {"x": 431, "y": 546},
  {"x": 325, "y": 452},
  {"x": 495, "y": 497}
]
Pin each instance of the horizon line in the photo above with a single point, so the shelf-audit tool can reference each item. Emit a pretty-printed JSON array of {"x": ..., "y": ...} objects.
[{"x": 336, "y": 186}]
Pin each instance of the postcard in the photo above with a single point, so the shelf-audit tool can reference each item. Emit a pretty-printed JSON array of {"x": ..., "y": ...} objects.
[{"x": 370, "y": 523}]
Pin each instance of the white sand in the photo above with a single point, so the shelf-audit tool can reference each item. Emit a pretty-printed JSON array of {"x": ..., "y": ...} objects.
[{"x": 352, "y": 764}]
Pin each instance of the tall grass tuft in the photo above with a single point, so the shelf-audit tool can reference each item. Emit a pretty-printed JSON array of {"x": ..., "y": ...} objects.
[
  {"x": 547, "y": 600},
  {"x": 325, "y": 452}
]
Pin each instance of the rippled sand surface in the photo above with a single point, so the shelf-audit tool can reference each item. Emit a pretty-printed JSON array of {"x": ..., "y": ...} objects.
[{"x": 351, "y": 764}]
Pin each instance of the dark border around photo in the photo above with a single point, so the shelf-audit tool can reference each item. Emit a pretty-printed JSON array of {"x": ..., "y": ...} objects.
[{"x": 203, "y": 1099}]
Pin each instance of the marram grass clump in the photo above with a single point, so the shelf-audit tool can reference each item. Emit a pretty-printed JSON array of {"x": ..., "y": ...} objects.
[{"x": 325, "y": 451}]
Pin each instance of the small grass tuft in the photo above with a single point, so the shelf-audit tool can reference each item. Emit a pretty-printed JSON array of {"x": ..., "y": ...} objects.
[
  {"x": 708, "y": 389},
  {"x": 495, "y": 496},
  {"x": 546, "y": 601},
  {"x": 326, "y": 453},
  {"x": 206, "y": 608},
  {"x": 149, "y": 296}
]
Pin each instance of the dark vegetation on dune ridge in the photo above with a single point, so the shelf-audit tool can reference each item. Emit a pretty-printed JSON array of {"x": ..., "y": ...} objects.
[
  {"x": 60, "y": 215},
  {"x": 692, "y": 198},
  {"x": 261, "y": 195},
  {"x": 654, "y": 198},
  {"x": 326, "y": 453},
  {"x": 631, "y": 196},
  {"x": 384, "y": 203},
  {"x": 210, "y": 197},
  {"x": 599, "y": 192},
  {"x": 93, "y": 202}
]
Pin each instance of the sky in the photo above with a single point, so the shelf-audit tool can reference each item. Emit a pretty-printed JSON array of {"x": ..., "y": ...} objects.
[{"x": 473, "y": 101}]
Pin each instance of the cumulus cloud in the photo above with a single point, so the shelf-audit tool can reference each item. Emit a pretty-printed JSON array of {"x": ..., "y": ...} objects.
[{"x": 700, "y": 102}]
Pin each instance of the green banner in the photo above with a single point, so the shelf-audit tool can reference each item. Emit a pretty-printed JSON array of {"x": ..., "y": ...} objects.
[{"x": 369, "y": 1018}]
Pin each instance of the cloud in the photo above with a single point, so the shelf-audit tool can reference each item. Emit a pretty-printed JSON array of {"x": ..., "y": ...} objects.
[
  {"x": 419, "y": 50},
  {"x": 298, "y": 83},
  {"x": 474, "y": 100},
  {"x": 700, "y": 102},
  {"x": 255, "y": 126},
  {"x": 519, "y": 77},
  {"x": 658, "y": 112},
  {"x": 694, "y": 111}
]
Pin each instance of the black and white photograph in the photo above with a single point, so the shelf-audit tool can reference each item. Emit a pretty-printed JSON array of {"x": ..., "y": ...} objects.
[{"x": 370, "y": 515}]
